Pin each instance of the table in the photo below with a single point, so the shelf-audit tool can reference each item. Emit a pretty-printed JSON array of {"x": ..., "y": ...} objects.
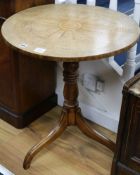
[{"x": 70, "y": 33}]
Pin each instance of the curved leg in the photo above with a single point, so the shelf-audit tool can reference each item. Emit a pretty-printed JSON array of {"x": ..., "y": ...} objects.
[
  {"x": 92, "y": 133},
  {"x": 54, "y": 134}
]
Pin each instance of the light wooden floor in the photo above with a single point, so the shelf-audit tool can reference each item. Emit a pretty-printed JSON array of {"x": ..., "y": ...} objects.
[{"x": 71, "y": 154}]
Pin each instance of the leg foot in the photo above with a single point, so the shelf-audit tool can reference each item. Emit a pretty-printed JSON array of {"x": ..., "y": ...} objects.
[
  {"x": 93, "y": 134},
  {"x": 54, "y": 134}
]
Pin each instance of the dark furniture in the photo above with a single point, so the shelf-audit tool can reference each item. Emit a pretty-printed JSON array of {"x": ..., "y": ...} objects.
[
  {"x": 127, "y": 156},
  {"x": 27, "y": 86}
]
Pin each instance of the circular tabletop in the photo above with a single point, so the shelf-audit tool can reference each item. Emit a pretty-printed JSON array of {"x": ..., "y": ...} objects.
[{"x": 70, "y": 32}]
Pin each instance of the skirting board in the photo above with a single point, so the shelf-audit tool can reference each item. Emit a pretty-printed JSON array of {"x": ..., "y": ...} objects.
[
  {"x": 99, "y": 117},
  {"x": 96, "y": 116}
]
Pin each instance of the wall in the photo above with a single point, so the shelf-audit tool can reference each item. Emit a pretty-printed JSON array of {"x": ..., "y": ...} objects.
[{"x": 104, "y": 107}]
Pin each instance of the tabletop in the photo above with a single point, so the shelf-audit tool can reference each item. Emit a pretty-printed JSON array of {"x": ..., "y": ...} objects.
[{"x": 70, "y": 32}]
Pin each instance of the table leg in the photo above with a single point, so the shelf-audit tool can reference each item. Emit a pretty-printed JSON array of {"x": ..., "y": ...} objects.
[
  {"x": 71, "y": 115},
  {"x": 53, "y": 135},
  {"x": 94, "y": 134}
]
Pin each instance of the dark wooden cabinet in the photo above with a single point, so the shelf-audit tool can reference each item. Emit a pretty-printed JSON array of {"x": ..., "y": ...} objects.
[
  {"x": 9, "y": 7},
  {"x": 27, "y": 85},
  {"x": 127, "y": 156}
]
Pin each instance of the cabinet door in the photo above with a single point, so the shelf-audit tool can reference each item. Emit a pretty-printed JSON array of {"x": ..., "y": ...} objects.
[
  {"x": 6, "y": 72},
  {"x": 6, "y": 8},
  {"x": 9, "y": 7},
  {"x": 21, "y": 5},
  {"x": 131, "y": 153}
]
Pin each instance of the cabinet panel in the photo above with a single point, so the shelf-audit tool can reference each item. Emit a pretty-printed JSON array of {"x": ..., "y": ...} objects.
[
  {"x": 132, "y": 150},
  {"x": 27, "y": 85},
  {"x": 36, "y": 80},
  {"x": 6, "y": 8},
  {"x": 9, "y": 7},
  {"x": 127, "y": 155},
  {"x": 6, "y": 79}
]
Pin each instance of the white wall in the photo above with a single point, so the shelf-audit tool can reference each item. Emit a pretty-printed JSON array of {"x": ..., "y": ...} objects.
[{"x": 102, "y": 108}]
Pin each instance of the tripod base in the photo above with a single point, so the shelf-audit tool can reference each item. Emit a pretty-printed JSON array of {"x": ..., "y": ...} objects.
[{"x": 68, "y": 117}]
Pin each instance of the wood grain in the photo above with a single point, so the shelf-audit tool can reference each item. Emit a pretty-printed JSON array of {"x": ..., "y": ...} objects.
[
  {"x": 71, "y": 32},
  {"x": 127, "y": 155},
  {"x": 72, "y": 153}
]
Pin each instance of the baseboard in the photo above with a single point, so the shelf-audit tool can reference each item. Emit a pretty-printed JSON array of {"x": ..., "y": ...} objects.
[
  {"x": 23, "y": 119},
  {"x": 99, "y": 117}
]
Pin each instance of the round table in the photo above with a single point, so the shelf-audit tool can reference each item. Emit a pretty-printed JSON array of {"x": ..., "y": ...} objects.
[{"x": 70, "y": 33}]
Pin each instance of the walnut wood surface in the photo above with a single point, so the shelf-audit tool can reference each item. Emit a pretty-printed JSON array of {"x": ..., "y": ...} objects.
[
  {"x": 71, "y": 32},
  {"x": 127, "y": 155},
  {"x": 71, "y": 115},
  {"x": 10, "y": 7}
]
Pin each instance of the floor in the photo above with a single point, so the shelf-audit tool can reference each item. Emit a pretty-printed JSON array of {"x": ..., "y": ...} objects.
[{"x": 71, "y": 154}]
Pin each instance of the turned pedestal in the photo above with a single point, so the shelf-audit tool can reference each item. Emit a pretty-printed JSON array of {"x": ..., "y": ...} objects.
[{"x": 71, "y": 115}]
